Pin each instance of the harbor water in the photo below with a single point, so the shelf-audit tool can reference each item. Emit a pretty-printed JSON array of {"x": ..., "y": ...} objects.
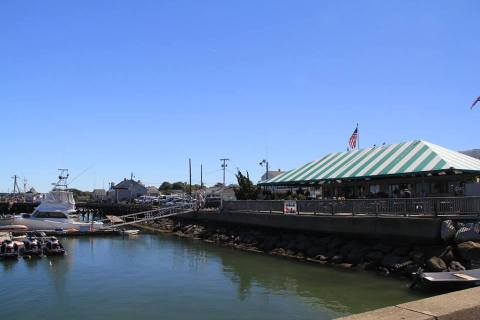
[{"x": 165, "y": 277}]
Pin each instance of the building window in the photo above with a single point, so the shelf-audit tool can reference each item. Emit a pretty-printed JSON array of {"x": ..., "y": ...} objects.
[
  {"x": 439, "y": 187},
  {"x": 394, "y": 190},
  {"x": 374, "y": 188}
]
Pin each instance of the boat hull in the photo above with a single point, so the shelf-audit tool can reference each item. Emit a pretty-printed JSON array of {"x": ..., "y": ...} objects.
[
  {"x": 36, "y": 224},
  {"x": 447, "y": 281}
]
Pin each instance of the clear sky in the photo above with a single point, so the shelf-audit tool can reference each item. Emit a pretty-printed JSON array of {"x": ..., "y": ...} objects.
[{"x": 106, "y": 88}]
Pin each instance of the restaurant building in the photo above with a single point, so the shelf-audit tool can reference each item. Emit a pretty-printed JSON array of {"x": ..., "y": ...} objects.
[{"x": 408, "y": 169}]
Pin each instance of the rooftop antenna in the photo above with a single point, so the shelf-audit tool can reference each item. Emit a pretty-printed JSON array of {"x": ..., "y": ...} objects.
[{"x": 62, "y": 179}]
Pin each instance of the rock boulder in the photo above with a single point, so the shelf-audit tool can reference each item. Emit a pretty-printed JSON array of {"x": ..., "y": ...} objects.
[
  {"x": 436, "y": 264},
  {"x": 469, "y": 250}
]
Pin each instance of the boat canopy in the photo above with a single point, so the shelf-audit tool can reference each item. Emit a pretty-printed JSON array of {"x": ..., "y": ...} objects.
[{"x": 57, "y": 201}]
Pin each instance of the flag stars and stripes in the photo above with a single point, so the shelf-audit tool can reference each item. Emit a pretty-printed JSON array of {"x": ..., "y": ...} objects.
[{"x": 353, "y": 139}]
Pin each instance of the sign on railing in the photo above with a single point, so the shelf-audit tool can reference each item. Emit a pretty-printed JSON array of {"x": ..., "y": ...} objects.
[{"x": 290, "y": 207}]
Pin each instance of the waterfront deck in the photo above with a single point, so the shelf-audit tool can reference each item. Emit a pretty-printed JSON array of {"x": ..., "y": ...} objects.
[
  {"x": 460, "y": 305},
  {"x": 444, "y": 206}
]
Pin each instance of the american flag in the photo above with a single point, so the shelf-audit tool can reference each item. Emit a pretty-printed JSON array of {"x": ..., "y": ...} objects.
[
  {"x": 353, "y": 139},
  {"x": 475, "y": 102}
]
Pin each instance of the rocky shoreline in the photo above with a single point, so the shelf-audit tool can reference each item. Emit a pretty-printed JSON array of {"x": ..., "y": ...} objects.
[{"x": 385, "y": 258}]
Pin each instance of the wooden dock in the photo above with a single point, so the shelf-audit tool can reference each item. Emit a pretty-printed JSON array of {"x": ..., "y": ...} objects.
[{"x": 4, "y": 236}]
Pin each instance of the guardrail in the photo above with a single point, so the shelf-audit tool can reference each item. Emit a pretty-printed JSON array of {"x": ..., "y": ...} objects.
[{"x": 397, "y": 206}]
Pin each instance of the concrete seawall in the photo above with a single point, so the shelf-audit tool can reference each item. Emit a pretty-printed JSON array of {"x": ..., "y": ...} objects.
[
  {"x": 378, "y": 227},
  {"x": 460, "y": 305}
]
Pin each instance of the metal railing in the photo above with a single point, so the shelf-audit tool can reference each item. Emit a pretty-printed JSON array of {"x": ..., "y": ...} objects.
[
  {"x": 393, "y": 206},
  {"x": 266, "y": 206},
  {"x": 150, "y": 215}
]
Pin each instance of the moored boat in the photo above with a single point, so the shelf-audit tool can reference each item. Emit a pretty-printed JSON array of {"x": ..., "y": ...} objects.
[
  {"x": 8, "y": 250},
  {"x": 32, "y": 247},
  {"x": 53, "y": 247},
  {"x": 53, "y": 213},
  {"x": 130, "y": 232},
  {"x": 447, "y": 281}
]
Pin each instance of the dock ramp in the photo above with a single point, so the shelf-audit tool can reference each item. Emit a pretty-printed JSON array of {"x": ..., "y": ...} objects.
[{"x": 114, "y": 222}]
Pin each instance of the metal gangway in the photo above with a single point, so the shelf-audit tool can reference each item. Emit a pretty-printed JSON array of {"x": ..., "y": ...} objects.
[{"x": 144, "y": 216}]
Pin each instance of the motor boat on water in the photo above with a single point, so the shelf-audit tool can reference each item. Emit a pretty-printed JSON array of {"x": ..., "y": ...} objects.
[
  {"x": 53, "y": 247},
  {"x": 54, "y": 212},
  {"x": 8, "y": 250},
  {"x": 446, "y": 281},
  {"x": 130, "y": 232},
  {"x": 32, "y": 247}
]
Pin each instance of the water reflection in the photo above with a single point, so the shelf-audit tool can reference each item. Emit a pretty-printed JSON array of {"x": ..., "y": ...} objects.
[
  {"x": 8, "y": 265},
  {"x": 32, "y": 263},
  {"x": 143, "y": 277},
  {"x": 321, "y": 287}
]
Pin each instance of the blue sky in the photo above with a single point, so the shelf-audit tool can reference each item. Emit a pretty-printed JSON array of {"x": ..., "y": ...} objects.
[{"x": 106, "y": 88}]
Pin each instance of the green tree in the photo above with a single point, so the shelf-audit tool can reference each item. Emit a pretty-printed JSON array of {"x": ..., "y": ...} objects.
[
  {"x": 165, "y": 186},
  {"x": 246, "y": 189},
  {"x": 80, "y": 195},
  {"x": 178, "y": 186}
]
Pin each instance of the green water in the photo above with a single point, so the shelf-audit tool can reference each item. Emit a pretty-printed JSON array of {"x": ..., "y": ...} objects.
[{"x": 164, "y": 277}]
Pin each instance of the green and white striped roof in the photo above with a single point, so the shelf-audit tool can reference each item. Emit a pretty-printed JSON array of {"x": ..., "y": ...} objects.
[{"x": 389, "y": 160}]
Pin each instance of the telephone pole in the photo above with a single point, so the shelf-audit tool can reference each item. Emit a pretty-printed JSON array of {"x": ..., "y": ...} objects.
[
  {"x": 190, "y": 175},
  {"x": 224, "y": 167},
  {"x": 201, "y": 176}
]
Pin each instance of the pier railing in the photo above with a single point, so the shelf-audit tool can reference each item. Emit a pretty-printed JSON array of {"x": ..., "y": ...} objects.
[{"x": 410, "y": 206}]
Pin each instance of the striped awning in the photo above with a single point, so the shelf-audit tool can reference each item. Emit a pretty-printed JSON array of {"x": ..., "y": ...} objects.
[{"x": 389, "y": 160}]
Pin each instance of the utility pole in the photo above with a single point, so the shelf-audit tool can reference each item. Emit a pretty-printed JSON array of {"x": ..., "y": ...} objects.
[
  {"x": 224, "y": 167},
  {"x": 24, "y": 185},
  {"x": 16, "y": 189},
  {"x": 265, "y": 162},
  {"x": 201, "y": 176},
  {"x": 190, "y": 175}
]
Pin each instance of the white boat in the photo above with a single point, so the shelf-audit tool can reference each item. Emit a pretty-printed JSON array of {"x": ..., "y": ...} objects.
[
  {"x": 130, "y": 232},
  {"x": 54, "y": 212}
]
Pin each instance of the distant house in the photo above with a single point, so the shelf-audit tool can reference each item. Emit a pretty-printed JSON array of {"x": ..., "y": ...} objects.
[
  {"x": 153, "y": 191},
  {"x": 32, "y": 196},
  {"x": 126, "y": 190},
  {"x": 99, "y": 195},
  {"x": 221, "y": 191},
  {"x": 270, "y": 175}
]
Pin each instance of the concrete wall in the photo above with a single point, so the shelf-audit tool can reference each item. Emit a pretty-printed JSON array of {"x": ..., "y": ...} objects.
[
  {"x": 395, "y": 228},
  {"x": 460, "y": 305}
]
